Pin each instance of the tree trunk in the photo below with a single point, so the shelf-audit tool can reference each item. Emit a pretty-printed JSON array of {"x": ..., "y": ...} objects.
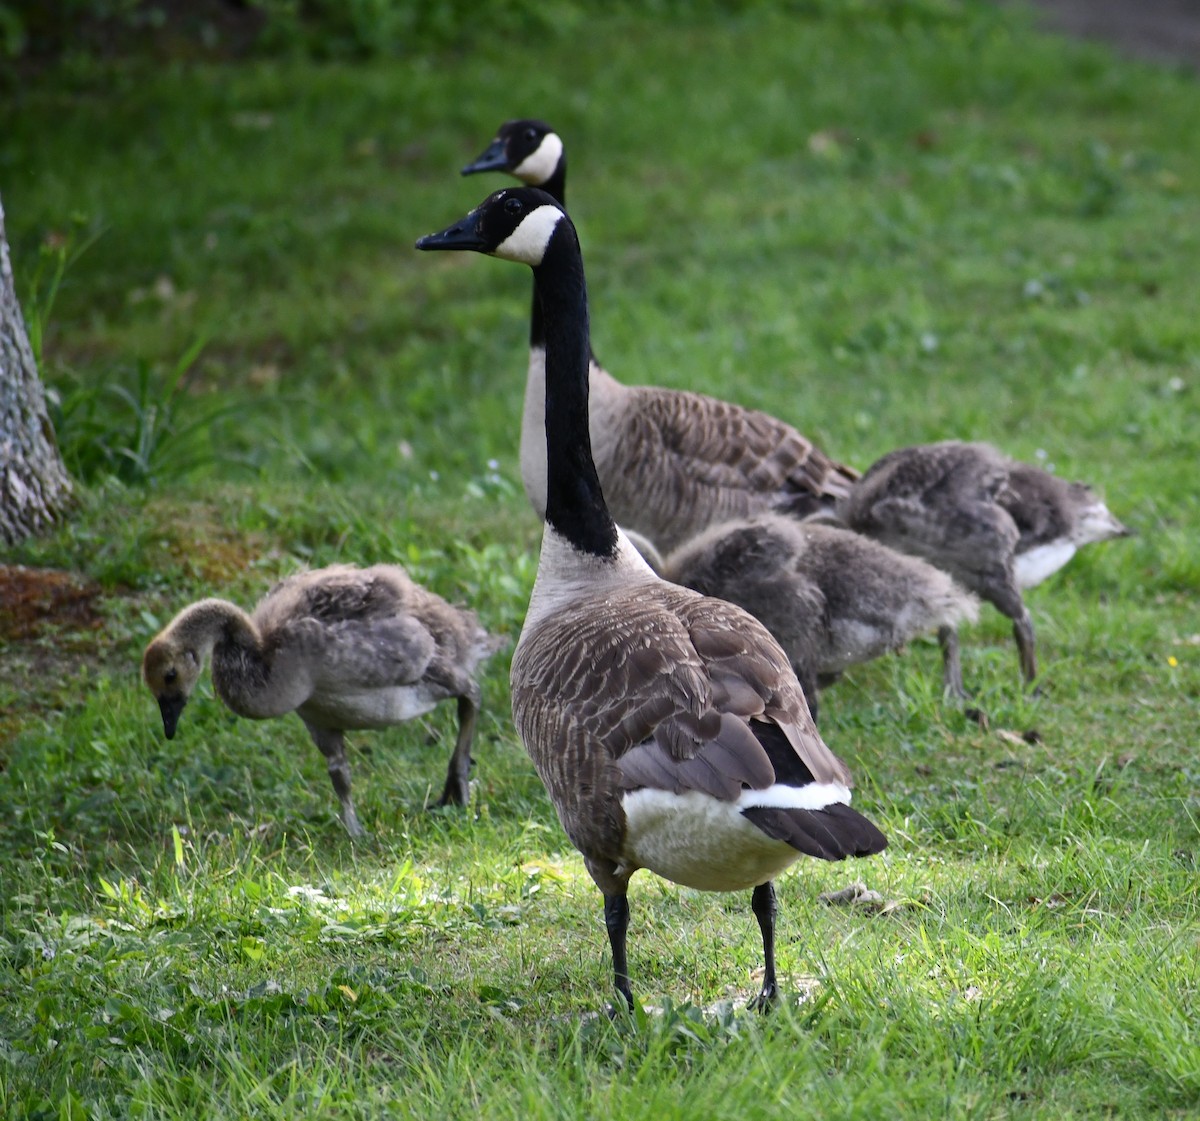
[{"x": 34, "y": 486}]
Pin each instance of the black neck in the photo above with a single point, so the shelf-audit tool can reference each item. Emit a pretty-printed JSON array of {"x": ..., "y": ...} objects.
[
  {"x": 556, "y": 188},
  {"x": 556, "y": 185},
  {"x": 537, "y": 330},
  {"x": 575, "y": 504}
]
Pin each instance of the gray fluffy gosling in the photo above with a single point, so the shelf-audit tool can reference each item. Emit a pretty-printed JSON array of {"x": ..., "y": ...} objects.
[
  {"x": 831, "y": 597},
  {"x": 994, "y": 524},
  {"x": 670, "y": 462},
  {"x": 668, "y": 728},
  {"x": 344, "y": 648}
]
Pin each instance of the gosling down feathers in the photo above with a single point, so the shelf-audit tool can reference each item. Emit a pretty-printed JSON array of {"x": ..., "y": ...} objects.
[
  {"x": 344, "y": 648},
  {"x": 670, "y": 462},
  {"x": 832, "y": 598},
  {"x": 668, "y": 727},
  {"x": 994, "y": 524}
]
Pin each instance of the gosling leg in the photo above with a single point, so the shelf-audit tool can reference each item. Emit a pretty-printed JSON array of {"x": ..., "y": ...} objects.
[
  {"x": 952, "y": 679},
  {"x": 457, "y": 791},
  {"x": 333, "y": 747},
  {"x": 1026, "y": 644}
]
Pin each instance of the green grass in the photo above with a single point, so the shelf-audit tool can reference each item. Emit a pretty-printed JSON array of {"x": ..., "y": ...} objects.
[{"x": 883, "y": 229}]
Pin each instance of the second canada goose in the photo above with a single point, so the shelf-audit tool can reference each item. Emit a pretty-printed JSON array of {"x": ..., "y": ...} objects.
[
  {"x": 344, "y": 648},
  {"x": 831, "y": 597},
  {"x": 994, "y": 524},
  {"x": 668, "y": 728},
  {"x": 671, "y": 462}
]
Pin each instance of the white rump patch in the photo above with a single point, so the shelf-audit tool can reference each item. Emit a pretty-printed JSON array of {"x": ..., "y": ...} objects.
[
  {"x": 699, "y": 841},
  {"x": 538, "y": 166},
  {"x": 1032, "y": 567},
  {"x": 527, "y": 243}
]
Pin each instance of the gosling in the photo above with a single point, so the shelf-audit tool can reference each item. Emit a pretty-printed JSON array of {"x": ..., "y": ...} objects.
[
  {"x": 343, "y": 647},
  {"x": 831, "y": 598}
]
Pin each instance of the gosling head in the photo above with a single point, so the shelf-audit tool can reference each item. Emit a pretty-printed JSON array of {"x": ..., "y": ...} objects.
[
  {"x": 528, "y": 149},
  {"x": 1095, "y": 522},
  {"x": 170, "y": 670}
]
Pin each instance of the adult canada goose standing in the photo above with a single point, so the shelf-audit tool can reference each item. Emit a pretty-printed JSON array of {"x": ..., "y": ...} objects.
[
  {"x": 343, "y": 647},
  {"x": 668, "y": 728},
  {"x": 831, "y": 597},
  {"x": 671, "y": 462},
  {"x": 994, "y": 524}
]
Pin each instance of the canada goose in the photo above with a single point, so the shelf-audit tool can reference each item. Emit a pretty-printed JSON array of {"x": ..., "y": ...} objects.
[
  {"x": 994, "y": 524},
  {"x": 670, "y": 462},
  {"x": 832, "y": 598},
  {"x": 668, "y": 728},
  {"x": 346, "y": 648}
]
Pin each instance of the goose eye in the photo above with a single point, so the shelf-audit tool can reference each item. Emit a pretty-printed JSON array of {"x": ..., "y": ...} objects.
[
  {"x": 513, "y": 205},
  {"x": 531, "y": 134}
]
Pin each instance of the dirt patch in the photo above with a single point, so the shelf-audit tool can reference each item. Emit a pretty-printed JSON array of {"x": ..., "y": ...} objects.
[
  {"x": 47, "y": 620},
  {"x": 32, "y": 599}
]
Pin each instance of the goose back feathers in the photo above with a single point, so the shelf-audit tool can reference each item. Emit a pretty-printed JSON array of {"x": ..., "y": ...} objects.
[
  {"x": 668, "y": 727},
  {"x": 343, "y": 647}
]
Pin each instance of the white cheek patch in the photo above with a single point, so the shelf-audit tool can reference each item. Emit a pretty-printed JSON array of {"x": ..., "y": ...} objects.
[
  {"x": 527, "y": 243},
  {"x": 538, "y": 166}
]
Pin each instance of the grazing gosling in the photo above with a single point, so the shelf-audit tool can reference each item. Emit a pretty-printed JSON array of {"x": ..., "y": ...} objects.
[
  {"x": 668, "y": 728},
  {"x": 831, "y": 597},
  {"x": 344, "y": 648},
  {"x": 671, "y": 462},
  {"x": 994, "y": 524}
]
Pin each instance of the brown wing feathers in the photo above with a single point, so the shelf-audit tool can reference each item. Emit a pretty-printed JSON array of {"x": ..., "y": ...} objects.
[
  {"x": 689, "y": 709},
  {"x": 683, "y": 461}
]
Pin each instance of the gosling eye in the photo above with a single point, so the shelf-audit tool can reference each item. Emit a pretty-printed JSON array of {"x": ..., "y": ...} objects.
[
  {"x": 170, "y": 677},
  {"x": 513, "y": 205}
]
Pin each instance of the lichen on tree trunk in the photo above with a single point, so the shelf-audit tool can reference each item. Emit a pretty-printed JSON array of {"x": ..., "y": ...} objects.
[{"x": 34, "y": 486}]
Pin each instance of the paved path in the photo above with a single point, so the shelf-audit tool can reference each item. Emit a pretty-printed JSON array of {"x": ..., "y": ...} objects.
[{"x": 1165, "y": 30}]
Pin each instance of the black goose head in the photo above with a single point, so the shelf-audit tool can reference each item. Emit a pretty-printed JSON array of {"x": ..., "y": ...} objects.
[
  {"x": 515, "y": 223},
  {"x": 528, "y": 149}
]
